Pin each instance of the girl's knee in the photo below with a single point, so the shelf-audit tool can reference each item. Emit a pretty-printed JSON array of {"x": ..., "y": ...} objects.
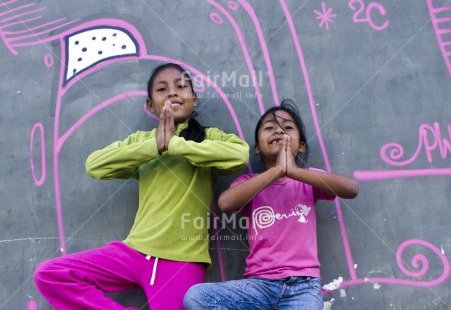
[
  {"x": 193, "y": 297},
  {"x": 40, "y": 274},
  {"x": 44, "y": 274}
]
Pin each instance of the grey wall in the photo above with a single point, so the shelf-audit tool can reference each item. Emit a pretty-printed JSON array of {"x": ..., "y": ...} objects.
[{"x": 372, "y": 83}]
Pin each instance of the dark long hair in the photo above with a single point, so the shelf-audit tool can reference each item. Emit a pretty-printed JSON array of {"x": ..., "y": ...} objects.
[
  {"x": 195, "y": 131},
  {"x": 288, "y": 106}
]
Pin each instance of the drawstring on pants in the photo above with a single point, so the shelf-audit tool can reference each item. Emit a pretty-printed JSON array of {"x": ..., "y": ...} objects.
[{"x": 154, "y": 270}]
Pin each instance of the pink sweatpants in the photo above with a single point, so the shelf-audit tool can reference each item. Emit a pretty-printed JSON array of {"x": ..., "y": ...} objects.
[{"x": 78, "y": 281}]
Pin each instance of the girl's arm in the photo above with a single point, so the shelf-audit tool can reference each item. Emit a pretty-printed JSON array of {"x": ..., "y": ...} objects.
[
  {"x": 239, "y": 195},
  {"x": 122, "y": 159},
  {"x": 226, "y": 152},
  {"x": 332, "y": 184}
]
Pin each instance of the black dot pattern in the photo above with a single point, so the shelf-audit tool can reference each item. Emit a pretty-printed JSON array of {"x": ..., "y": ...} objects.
[{"x": 94, "y": 46}]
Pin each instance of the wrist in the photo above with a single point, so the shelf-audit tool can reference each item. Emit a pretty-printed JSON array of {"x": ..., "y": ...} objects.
[
  {"x": 293, "y": 171},
  {"x": 277, "y": 172}
]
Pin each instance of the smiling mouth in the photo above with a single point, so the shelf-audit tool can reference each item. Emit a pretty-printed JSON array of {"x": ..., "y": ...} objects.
[
  {"x": 176, "y": 104},
  {"x": 276, "y": 141}
]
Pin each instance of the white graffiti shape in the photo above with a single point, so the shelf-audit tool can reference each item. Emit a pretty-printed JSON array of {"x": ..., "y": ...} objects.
[{"x": 88, "y": 48}]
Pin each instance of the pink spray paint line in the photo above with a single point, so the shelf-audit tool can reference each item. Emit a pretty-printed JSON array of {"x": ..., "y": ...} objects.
[
  {"x": 27, "y": 36},
  {"x": 41, "y": 180},
  {"x": 441, "y": 18},
  {"x": 5, "y": 3},
  {"x": 373, "y": 175},
  {"x": 246, "y": 54},
  {"x": 346, "y": 245},
  {"x": 264, "y": 49}
]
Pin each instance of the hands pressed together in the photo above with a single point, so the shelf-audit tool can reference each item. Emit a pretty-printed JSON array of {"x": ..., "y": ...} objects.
[
  {"x": 333, "y": 184},
  {"x": 166, "y": 127},
  {"x": 286, "y": 161}
]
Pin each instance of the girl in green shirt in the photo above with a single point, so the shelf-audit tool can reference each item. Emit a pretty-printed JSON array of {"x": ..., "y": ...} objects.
[{"x": 166, "y": 251}]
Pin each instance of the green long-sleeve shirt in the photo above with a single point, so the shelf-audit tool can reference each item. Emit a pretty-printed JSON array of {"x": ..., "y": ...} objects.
[{"x": 175, "y": 188}]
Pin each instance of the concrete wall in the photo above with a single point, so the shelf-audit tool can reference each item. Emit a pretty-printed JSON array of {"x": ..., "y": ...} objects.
[{"x": 371, "y": 79}]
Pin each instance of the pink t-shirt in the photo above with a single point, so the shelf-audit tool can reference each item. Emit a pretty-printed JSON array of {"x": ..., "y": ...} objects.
[{"x": 282, "y": 229}]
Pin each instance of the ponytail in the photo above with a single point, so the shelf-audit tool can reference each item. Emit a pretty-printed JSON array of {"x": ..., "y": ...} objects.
[{"x": 195, "y": 131}]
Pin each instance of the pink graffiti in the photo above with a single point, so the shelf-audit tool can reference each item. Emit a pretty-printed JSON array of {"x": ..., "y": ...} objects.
[
  {"x": 32, "y": 305},
  {"x": 366, "y": 12},
  {"x": 41, "y": 180},
  {"x": 429, "y": 140},
  {"x": 396, "y": 151},
  {"x": 24, "y": 38},
  {"x": 325, "y": 15},
  {"x": 419, "y": 262},
  {"x": 365, "y": 176},
  {"x": 232, "y": 5},
  {"x": 245, "y": 52},
  {"x": 216, "y": 18},
  {"x": 264, "y": 48},
  {"x": 30, "y": 35},
  {"x": 49, "y": 60},
  {"x": 441, "y": 18}
]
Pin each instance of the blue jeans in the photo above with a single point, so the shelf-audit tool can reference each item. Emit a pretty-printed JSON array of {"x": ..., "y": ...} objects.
[{"x": 301, "y": 293}]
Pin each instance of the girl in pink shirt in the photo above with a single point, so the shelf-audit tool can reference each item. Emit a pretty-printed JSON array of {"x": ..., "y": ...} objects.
[{"x": 282, "y": 269}]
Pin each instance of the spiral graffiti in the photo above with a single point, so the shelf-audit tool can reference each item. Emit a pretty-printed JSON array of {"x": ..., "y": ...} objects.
[
  {"x": 420, "y": 262},
  {"x": 395, "y": 152},
  {"x": 429, "y": 139},
  {"x": 263, "y": 217}
]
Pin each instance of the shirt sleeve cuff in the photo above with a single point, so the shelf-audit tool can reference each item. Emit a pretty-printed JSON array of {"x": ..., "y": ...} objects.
[
  {"x": 174, "y": 143},
  {"x": 152, "y": 147}
]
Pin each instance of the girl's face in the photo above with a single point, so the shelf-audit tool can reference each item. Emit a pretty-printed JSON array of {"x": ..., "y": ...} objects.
[
  {"x": 271, "y": 132},
  {"x": 171, "y": 84}
]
